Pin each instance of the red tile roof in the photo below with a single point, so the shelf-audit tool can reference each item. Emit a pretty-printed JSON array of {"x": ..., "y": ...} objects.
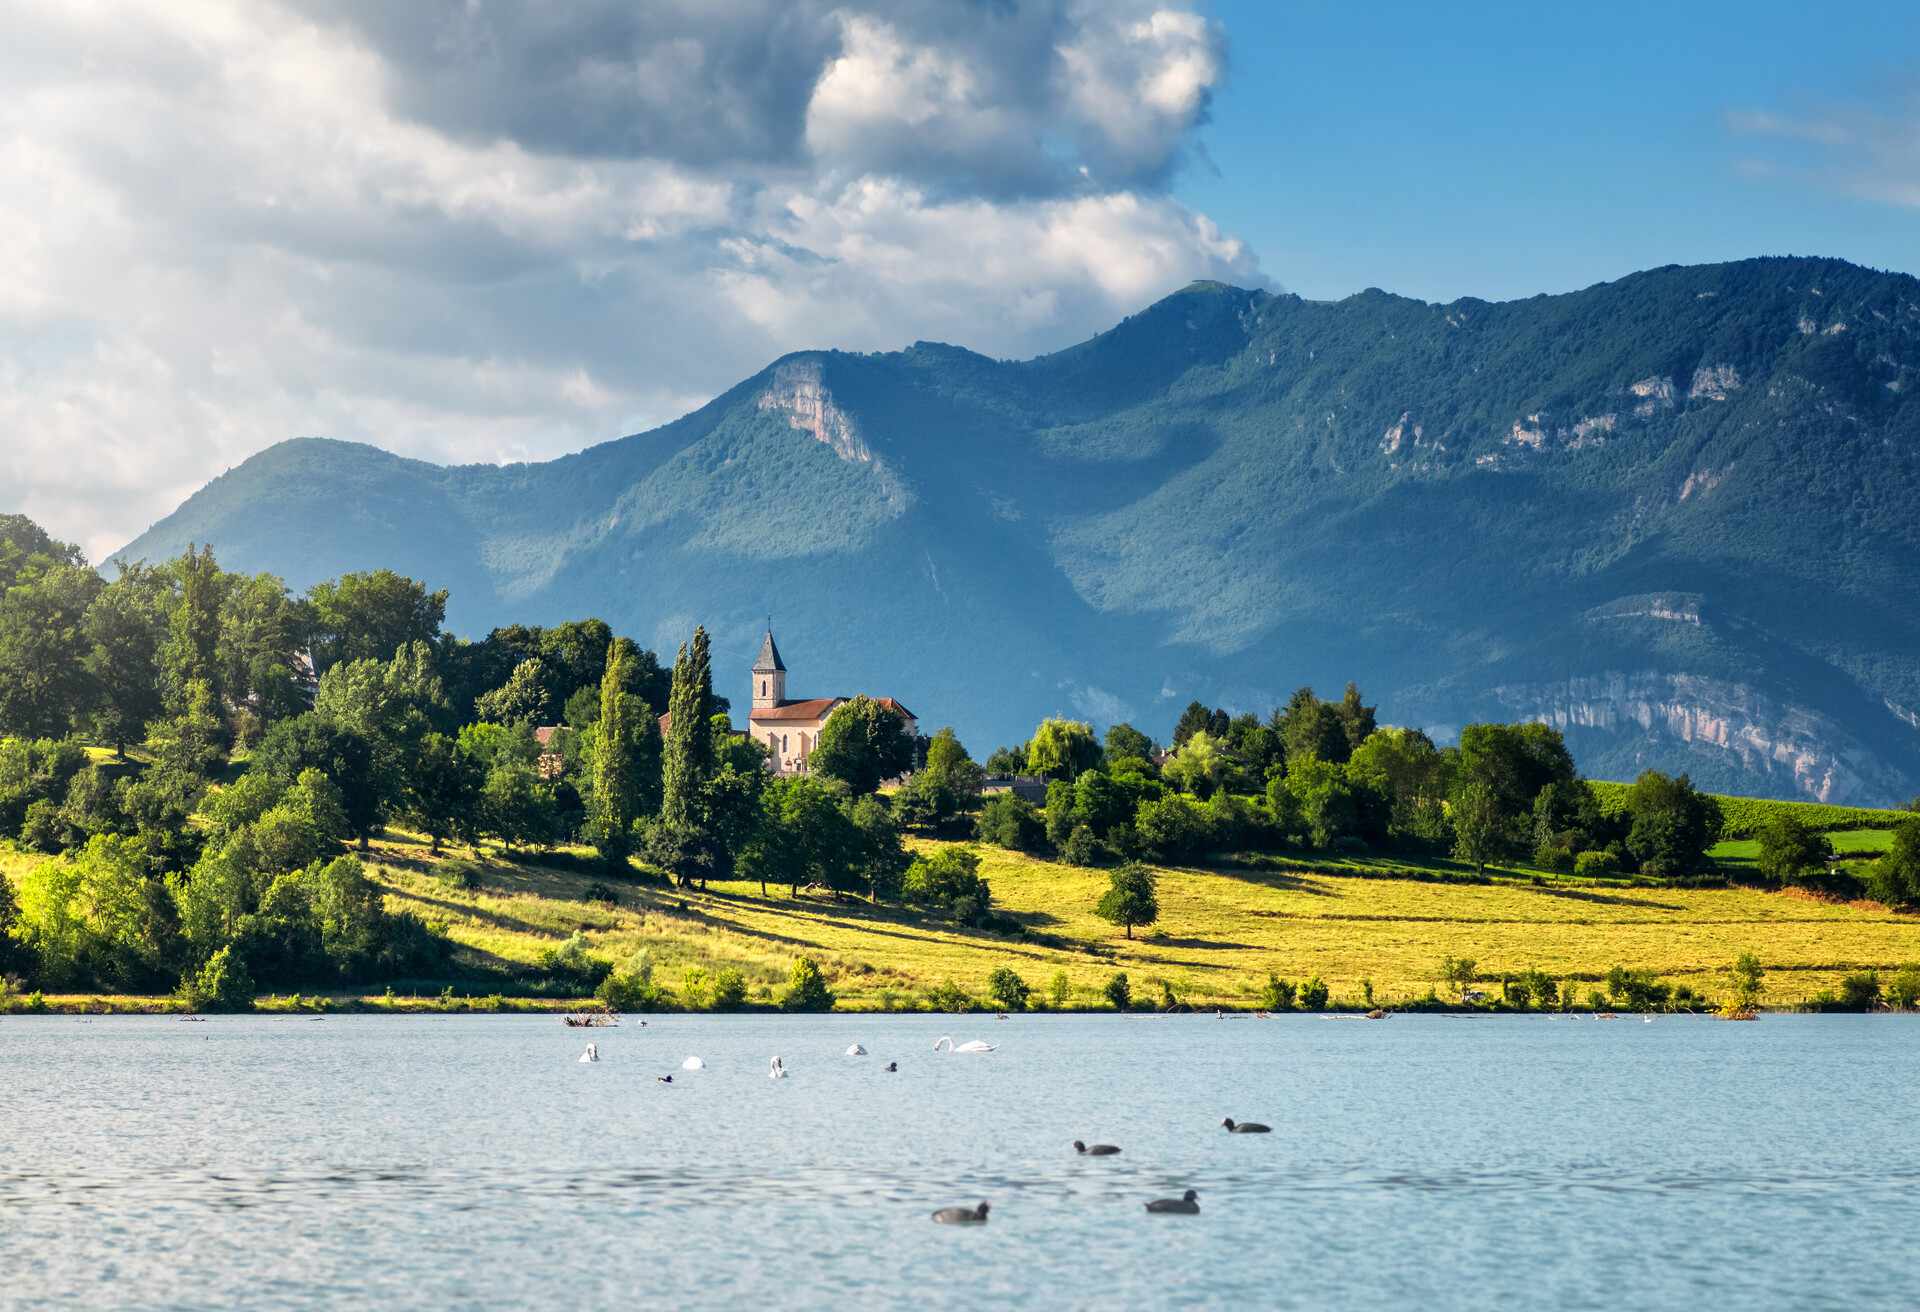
[
  {"x": 813, "y": 708},
  {"x": 818, "y": 708}
]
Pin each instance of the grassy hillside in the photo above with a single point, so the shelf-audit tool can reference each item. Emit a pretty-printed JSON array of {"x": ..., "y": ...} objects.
[{"x": 1221, "y": 931}]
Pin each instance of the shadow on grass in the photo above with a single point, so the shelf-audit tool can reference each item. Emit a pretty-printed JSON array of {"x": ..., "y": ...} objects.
[
  {"x": 1603, "y": 899},
  {"x": 855, "y": 916},
  {"x": 497, "y": 919},
  {"x": 1205, "y": 944}
]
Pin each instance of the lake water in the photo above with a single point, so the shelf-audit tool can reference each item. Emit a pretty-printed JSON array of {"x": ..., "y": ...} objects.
[{"x": 471, "y": 1161}]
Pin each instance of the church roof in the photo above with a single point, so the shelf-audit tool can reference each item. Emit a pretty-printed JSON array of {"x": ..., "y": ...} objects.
[
  {"x": 813, "y": 708},
  {"x": 768, "y": 661},
  {"x": 818, "y": 708}
]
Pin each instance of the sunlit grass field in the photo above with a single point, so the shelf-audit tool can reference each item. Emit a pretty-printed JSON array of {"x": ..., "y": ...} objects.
[{"x": 1220, "y": 930}]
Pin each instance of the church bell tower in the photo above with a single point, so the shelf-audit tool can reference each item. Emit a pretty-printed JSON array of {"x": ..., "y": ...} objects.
[{"x": 769, "y": 676}]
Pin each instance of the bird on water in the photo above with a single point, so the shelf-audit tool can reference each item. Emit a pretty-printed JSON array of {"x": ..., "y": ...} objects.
[
  {"x": 1187, "y": 1204},
  {"x": 962, "y": 1215},
  {"x": 1094, "y": 1150},
  {"x": 1245, "y": 1127}
]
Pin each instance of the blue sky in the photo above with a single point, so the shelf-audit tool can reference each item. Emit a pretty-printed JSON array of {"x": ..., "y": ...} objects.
[{"x": 1499, "y": 150}]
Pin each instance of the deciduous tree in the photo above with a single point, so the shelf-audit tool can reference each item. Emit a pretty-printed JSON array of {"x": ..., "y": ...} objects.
[
  {"x": 862, "y": 744},
  {"x": 369, "y": 616},
  {"x": 1131, "y": 898},
  {"x": 1061, "y": 749}
]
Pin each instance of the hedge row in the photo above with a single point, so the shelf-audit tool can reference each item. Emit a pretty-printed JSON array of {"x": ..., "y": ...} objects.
[{"x": 1745, "y": 815}]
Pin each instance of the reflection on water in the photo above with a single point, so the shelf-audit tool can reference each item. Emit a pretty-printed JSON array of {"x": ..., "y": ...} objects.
[{"x": 471, "y": 1161}]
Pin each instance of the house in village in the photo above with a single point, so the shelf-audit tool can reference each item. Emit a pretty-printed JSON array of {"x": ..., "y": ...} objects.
[{"x": 790, "y": 728}]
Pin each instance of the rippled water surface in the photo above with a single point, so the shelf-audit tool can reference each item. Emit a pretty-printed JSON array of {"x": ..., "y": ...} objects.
[{"x": 455, "y": 1161}]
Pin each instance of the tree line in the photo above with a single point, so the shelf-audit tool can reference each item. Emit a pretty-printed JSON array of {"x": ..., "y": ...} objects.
[
  {"x": 276, "y": 733},
  {"x": 1324, "y": 776}
]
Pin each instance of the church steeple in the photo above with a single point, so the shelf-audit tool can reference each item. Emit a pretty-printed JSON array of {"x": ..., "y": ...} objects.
[{"x": 769, "y": 675}]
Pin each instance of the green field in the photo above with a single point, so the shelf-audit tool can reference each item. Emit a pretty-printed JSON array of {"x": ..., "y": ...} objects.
[
  {"x": 1852, "y": 845},
  {"x": 1745, "y": 815}
]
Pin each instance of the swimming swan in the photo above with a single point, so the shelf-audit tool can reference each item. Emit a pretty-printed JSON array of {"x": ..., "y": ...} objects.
[
  {"x": 962, "y": 1215},
  {"x": 971, "y": 1045},
  {"x": 1187, "y": 1205},
  {"x": 591, "y": 1054},
  {"x": 693, "y": 1064},
  {"x": 776, "y": 1069},
  {"x": 856, "y": 1051},
  {"x": 1094, "y": 1150},
  {"x": 1244, "y": 1127}
]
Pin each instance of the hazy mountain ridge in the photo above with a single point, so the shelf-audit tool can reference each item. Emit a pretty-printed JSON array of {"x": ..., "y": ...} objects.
[{"x": 1674, "y": 512}]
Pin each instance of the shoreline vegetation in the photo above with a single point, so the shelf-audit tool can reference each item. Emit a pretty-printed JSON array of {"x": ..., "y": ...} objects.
[{"x": 217, "y": 796}]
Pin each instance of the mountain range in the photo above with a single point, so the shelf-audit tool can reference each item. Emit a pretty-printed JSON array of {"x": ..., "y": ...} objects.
[{"x": 1677, "y": 515}]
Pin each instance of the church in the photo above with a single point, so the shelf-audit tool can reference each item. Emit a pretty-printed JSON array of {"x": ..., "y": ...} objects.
[{"x": 789, "y": 729}]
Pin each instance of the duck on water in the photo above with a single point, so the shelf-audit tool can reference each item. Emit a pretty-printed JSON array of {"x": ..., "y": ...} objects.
[
  {"x": 1188, "y": 1204},
  {"x": 962, "y": 1215},
  {"x": 1245, "y": 1127},
  {"x": 1094, "y": 1150}
]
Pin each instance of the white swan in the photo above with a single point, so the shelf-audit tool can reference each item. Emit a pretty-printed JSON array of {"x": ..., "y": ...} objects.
[
  {"x": 693, "y": 1064},
  {"x": 776, "y": 1069},
  {"x": 972, "y": 1045},
  {"x": 856, "y": 1051},
  {"x": 592, "y": 1053}
]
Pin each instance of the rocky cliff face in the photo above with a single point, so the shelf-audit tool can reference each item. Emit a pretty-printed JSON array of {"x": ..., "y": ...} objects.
[
  {"x": 797, "y": 394},
  {"x": 1648, "y": 717}
]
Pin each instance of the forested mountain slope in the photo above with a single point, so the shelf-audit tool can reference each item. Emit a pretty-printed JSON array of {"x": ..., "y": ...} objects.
[{"x": 1677, "y": 515}]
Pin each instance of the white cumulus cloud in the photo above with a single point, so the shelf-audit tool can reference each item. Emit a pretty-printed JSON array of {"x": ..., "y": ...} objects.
[{"x": 498, "y": 231}]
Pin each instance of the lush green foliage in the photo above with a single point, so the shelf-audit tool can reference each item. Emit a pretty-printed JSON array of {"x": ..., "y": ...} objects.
[
  {"x": 1130, "y": 898},
  {"x": 949, "y": 883},
  {"x": 862, "y": 744},
  {"x": 1006, "y": 987},
  {"x": 1791, "y": 849},
  {"x": 806, "y": 988},
  {"x": 1896, "y": 876}
]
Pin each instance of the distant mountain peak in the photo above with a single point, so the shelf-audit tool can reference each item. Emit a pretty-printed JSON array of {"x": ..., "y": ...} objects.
[{"x": 1671, "y": 512}]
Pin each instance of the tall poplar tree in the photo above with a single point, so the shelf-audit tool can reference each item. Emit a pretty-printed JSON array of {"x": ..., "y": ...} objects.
[
  {"x": 684, "y": 841},
  {"x": 615, "y": 777},
  {"x": 687, "y": 759}
]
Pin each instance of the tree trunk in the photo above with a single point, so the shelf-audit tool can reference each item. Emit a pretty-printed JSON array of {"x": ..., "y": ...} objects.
[{"x": 1129, "y": 929}]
